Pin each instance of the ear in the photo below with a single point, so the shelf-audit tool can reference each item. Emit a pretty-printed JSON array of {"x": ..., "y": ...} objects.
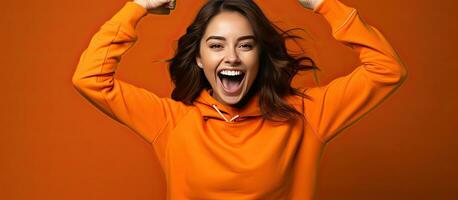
[{"x": 199, "y": 63}]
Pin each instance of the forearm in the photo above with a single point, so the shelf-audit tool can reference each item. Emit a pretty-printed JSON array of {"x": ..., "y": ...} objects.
[
  {"x": 347, "y": 99},
  {"x": 94, "y": 76},
  {"x": 137, "y": 108},
  {"x": 375, "y": 52},
  {"x": 100, "y": 59}
]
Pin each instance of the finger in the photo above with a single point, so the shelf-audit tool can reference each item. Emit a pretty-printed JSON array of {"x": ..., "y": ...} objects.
[
  {"x": 171, "y": 4},
  {"x": 160, "y": 11}
]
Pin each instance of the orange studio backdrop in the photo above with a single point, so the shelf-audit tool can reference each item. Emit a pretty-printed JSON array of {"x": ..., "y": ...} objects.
[{"x": 55, "y": 145}]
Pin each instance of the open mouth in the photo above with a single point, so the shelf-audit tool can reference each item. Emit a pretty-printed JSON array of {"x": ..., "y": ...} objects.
[{"x": 231, "y": 80}]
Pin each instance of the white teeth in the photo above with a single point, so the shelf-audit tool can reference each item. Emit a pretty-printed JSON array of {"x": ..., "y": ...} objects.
[{"x": 231, "y": 72}]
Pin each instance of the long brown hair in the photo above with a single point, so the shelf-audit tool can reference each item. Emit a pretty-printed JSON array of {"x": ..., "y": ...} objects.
[{"x": 277, "y": 66}]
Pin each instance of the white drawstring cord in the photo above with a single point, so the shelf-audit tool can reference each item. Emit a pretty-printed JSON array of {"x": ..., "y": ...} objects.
[
  {"x": 214, "y": 106},
  {"x": 232, "y": 119},
  {"x": 235, "y": 117}
]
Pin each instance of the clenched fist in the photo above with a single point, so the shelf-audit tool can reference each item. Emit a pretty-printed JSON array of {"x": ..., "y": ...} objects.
[
  {"x": 311, "y": 4},
  {"x": 157, "y": 6}
]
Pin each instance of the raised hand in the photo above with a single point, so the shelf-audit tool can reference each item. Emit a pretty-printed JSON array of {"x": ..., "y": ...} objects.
[
  {"x": 160, "y": 7},
  {"x": 311, "y": 4}
]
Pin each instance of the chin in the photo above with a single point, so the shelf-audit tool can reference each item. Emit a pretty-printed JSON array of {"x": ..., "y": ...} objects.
[{"x": 232, "y": 99}]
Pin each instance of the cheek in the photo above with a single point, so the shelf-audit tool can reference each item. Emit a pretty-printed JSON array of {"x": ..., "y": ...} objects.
[
  {"x": 251, "y": 60},
  {"x": 209, "y": 68},
  {"x": 211, "y": 59},
  {"x": 209, "y": 73}
]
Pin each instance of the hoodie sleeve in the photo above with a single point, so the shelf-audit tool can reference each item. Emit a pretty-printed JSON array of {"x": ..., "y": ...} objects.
[
  {"x": 138, "y": 109},
  {"x": 345, "y": 100}
]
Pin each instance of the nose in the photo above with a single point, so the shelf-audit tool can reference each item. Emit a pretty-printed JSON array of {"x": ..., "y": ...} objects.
[{"x": 232, "y": 57}]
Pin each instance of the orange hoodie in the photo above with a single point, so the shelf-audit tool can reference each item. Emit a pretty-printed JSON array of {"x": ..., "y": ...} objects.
[{"x": 205, "y": 154}]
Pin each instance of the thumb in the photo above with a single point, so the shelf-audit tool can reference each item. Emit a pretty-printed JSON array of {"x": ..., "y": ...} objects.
[
  {"x": 160, "y": 11},
  {"x": 311, "y": 4},
  {"x": 172, "y": 4}
]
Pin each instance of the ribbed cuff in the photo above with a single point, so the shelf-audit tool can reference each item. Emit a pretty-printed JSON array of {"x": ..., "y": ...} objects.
[
  {"x": 144, "y": 4},
  {"x": 334, "y": 11},
  {"x": 130, "y": 14}
]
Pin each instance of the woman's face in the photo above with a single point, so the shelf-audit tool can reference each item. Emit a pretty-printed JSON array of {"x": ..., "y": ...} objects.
[{"x": 229, "y": 56}]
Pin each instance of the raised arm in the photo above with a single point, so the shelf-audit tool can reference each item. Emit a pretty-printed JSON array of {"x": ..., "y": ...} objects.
[
  {"x": 137, "y": 108},
  {"x": 345, "y": 100}
]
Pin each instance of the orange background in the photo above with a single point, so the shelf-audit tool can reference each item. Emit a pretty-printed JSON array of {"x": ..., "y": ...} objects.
[{"x": 55, "y": 145}]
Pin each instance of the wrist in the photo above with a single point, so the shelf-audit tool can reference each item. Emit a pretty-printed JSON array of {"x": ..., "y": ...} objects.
[{"x": 143, "y": 4}]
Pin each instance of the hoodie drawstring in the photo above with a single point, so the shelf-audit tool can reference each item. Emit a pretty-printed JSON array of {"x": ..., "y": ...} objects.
[{"x": 217, "y": 110}]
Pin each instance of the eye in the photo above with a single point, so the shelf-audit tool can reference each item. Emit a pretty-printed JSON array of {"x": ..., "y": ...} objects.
[
  {"x": 246, "y": 46},
  {"x": 213, "y": 46}
]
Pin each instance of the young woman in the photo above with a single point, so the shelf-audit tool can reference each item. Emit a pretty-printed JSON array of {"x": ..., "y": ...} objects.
[{"x": 234, "y": 128}]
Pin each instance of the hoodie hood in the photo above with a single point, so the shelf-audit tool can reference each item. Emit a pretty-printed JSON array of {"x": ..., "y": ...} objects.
[{"x": 212, "y": 108}]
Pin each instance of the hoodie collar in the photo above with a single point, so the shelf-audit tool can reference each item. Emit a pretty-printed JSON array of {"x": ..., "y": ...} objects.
[{"x": 212, "y": 108}]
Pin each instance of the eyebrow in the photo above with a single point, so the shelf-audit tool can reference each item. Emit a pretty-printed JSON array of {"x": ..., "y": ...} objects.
[{"x": 238, "y": 39}]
